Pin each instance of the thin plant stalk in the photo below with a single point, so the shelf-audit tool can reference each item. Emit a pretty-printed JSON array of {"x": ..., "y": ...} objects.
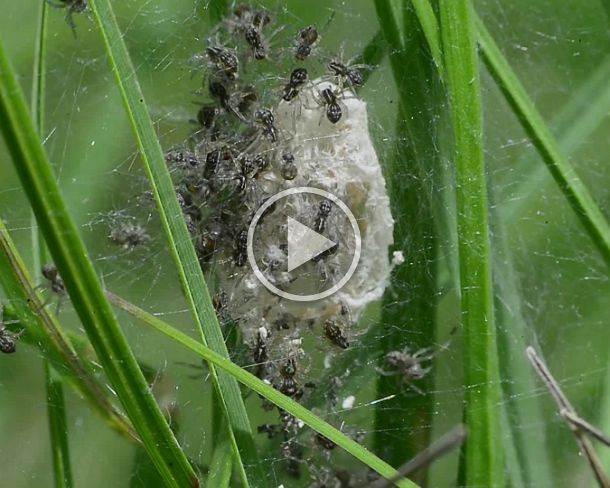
[
  {"x": 482, "y": 462},
  {"x": 566, "y": 407}
]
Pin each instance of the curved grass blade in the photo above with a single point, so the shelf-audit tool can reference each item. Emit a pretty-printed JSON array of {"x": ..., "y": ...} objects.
[
  {"x": 58, "y": 428},
  {"x": 265, "y": 390},
  {"x": 43, "y": 331},
  {"x": 482, "y": 463},
  {"x": 82, "y": 284},
  {"x": 564, "y": 174},
  {"x": 574, "y": 123},
  {"x": 187, "y": 264}
]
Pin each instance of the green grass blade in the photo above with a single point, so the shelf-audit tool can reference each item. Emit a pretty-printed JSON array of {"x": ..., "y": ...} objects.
[
  {"x": 574, "y": 123},
  {"x": 372, "y": 54},
  {"x": 217, "y": 10},
  {"x": 179, "y": 241},
  {"x": 70, "y": 256},
  {"x": 429, "y": 25},
  {"x": 388, "y": 13},
  {"x": 58, "y": 429},
  {"x": 566, "y": 177},
  {"x": 43, "y": 331},
  {"x": 39, "y": 71},
  {"x": 221, "y": 464},
  {"x": 411, "y": 169},
  {"x": 482, "y": 463},
  {"x": 263, "y": 389}
]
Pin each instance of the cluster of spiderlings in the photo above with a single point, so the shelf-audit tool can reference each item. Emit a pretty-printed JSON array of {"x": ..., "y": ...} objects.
[{"x": 259, "y": 133}]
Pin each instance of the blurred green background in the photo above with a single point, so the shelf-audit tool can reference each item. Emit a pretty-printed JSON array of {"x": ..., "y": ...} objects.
[{"x": 558, "y": 285}]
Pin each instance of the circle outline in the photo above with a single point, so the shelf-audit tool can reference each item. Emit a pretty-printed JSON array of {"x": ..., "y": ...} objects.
[{"x": 295, "y": 191}]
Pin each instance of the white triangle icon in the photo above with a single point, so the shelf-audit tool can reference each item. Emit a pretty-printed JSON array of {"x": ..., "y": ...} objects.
[{"x": 304, "y": 244}]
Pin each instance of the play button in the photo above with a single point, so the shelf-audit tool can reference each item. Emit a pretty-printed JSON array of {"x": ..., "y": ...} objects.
[{"x": 304, "y": 244}]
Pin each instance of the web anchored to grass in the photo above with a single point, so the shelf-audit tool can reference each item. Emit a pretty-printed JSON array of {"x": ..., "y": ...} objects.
[{"x": 499, "y": 240}]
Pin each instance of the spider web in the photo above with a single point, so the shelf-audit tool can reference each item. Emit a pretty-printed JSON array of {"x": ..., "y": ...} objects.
[{"x": 551, "y": 283}]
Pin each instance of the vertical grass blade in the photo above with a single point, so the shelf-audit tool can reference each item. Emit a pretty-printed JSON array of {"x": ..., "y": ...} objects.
[
  {"x": 70, "y": 256},
  {"x": 187, "y": 264},
  {"x": 221, "y": 464},
  {"x": 566, "y": 177},
  {"x": 482, "y": 463},
  {"x": 429, "y": 25},
  {"x": 409, "y": 305},
  {"x": 58, "y": 429}
]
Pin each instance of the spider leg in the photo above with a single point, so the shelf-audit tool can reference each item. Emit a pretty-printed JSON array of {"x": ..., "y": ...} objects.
[
  {"x": 383, "y": 372},
  {"x": 70, "y": 20},
  {"x": 414, "y": 388}
]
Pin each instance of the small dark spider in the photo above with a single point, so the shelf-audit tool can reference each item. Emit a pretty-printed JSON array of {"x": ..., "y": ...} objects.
[
  {"x": 241, "y": 248},
  {"x": 297, "y": 78},
  {"x": 255, "y": 39},
  {"x": 49, "y": 271},
  {"x": 8, "y": 339},
  {"x": 182, "y": 157},
  {"x": 307, "y": 38},
  {"x": 288, "y": 385},
  {"x": 245, "y": 16},
  {"x": 248, "y": 170},
  {"x": 219, "y": 91},
  {"x": 72, "y": 7},
  {"x": 289, "y": 169},
  {"x": 224, "y": 60},
  {"x": 333, "y": 110},
  {"x": 351, "y": 74},
  {"x": 323, "y": 213},
  {"x": 271, "y": 430},
  {"x": 129, "y": 235},
  {"x": 329, "y": 252},
  {"x": 285, "y": 321},
  {"x": 206, "y": 116},
  {"x": 262, "y": 162},
  {"x": 324, "y": 442},
  {"x": 408, "y": 364},
  {"x": 334, "y": 333},
  {"x": 266, "y": 118},
  {"x": 207, "y": 245}
]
